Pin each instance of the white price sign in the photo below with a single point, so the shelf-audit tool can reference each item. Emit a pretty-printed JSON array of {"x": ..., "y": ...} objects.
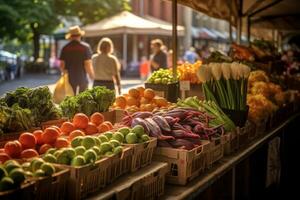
[{"x": 185, "y": 85}]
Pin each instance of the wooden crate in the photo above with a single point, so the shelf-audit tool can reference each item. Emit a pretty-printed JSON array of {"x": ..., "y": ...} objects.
[
  {"x": 261, "y": 127},
  {"x": 52, "y": 187},
  {"x": 252, "y": 131},
  {"x": 183, "y": 165},
  {"x": 25, "y": 192},
  {"x": 216, "y": 151},
  {"x": 231, "y": 142},
  {"x": 142, "y": 153},
  {"x": 195, "y": 90},
  {"x": 146, "y": 183},
  {"x": 87, "y": 179},
  {"x": 151, "y": 186},
  {"x": 13, "y": 136},
  {"x": 56, "y": 122},
  {"x": 119, "y": 165},
  {"x": 168, "y": 91}
]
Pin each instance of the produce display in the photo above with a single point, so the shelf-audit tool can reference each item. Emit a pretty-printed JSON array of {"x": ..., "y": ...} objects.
[
  {"x": 140, "y": 99},
  {"x": 217, "y": 57},
  {"x": 163, "y": 76},
  {"x": 263, "y": 50},
  {"x": 188, "y": 72},
  {"x": 85, "y": 150},
  {"x": 264, "y": 97},
  {"x": 177, "y": 127},
  {"x": 25, "y": 108},
  {"x": 13, "y": 173},
  {"x": 218, "y": 117},
  {"x": 241, "y": 53},
  {"x": 225, "y": 84},
  {"x": 33, "y": 144},
  {"x": 98, "y": 99}
]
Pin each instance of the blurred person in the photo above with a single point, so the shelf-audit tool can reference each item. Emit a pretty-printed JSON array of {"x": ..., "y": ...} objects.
[
  {"x": 144, "y": 68},
  {"x": 75, "y": 58},
  {"x": 106, "y": 66},
  {"x": 191, "y": 55},
  {"x": 158, "y": 58}
]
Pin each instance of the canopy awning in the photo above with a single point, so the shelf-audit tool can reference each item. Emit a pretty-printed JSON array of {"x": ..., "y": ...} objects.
[
  {"x": 128, "y": 23},
  {"x": 274, "y": 14}
]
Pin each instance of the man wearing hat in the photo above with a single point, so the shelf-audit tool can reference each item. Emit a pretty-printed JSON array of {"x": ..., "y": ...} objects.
[{"x": 76, "y": 60}]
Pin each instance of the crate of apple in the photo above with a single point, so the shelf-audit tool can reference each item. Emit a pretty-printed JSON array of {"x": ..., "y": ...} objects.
[{"x": 142, "y": 145}]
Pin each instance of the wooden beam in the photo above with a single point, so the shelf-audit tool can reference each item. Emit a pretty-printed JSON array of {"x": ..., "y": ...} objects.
[
  {"x": 265, "y": 7},
  {"x": 253, "y": 7},
  {"x": 174, "y": 36}
]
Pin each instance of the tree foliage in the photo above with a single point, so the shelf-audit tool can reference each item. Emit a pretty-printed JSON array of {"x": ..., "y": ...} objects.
[
  {"x": 26, "y": 20},
  {"x": 91, "y": 11}
]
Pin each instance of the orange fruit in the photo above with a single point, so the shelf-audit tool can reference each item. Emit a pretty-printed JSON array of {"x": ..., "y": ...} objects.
[
  {"x": 29, "y": 153},
  {"x": 91, "y": 129},
  {"x": 38, "y": 137},
  {"x": 97, "y": 118},
  {"x": 126, "y": 96},
  {"x": 141, "y": 91},
  {"x": 13, "y": 148},
  {"x": 61, "y": 143},
  {"x": 44, "y": 148},
  {"x": 149, "y": 107},
  {"x": 67, "y": 127},
  {"x": 103, "y": 128},
  {"x": 27, "y": 140},
  {"x": 4, "y": 157},
  {"x": 56, "y": 127},
  {"x": 149, "y": 93},
  {"x": 80, "y": 120},
  {"x": 161, "y": 102},
  {"x": 121, "y": 102},
  {"x": 143, "y": 107},
  {"x": 49, "y": 135},
  {"x": 75, "y": 134},
  {"x": 109, "y": 124},
  {"x": 144, "y": 100},
  {"x": 134, "y": 93},
  {"x": 131, "y": 101}
]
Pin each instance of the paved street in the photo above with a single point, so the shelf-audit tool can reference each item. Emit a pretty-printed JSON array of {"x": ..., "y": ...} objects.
[{"x": 35, "y": 80}]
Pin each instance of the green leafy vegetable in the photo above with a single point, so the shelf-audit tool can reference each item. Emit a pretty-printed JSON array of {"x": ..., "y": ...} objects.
[{"x": 97, "y": 99}]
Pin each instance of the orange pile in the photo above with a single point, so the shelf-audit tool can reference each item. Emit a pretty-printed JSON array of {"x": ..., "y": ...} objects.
[
  {"x": 32, "y": 144},
  {"x": 140, "y": 99}
]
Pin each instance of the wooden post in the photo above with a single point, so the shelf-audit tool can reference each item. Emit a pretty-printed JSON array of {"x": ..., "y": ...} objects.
[
  {"x": 124, "y": 51},
  {"x": 174, "y": 36},
  {"x": 248, "y": 29}
]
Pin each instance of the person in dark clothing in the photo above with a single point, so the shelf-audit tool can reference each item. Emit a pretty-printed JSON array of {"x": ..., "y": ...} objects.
[
  {"x": 76, "y": 60},
  {"x": 159, "y": 58}
]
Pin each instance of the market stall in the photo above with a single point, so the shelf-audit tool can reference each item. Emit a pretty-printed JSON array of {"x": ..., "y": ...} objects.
[{"x": 223, "y": 128}]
